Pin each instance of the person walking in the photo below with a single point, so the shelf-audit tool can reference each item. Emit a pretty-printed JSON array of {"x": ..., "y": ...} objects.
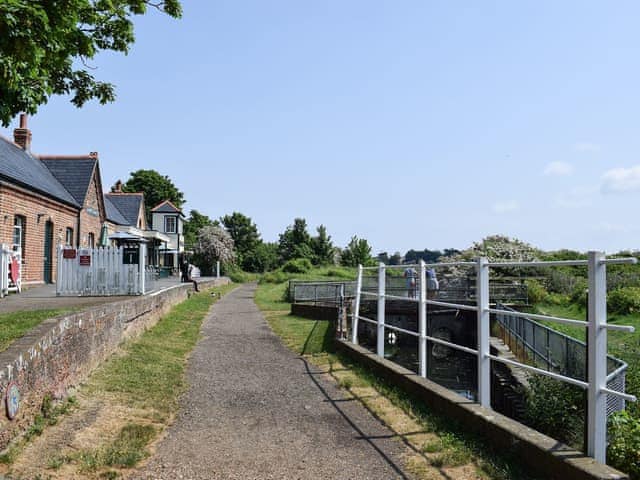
[{"x": 410, "y": 274}]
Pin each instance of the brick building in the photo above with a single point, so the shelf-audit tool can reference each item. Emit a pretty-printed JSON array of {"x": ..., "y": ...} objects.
[{"x": 46, "y": 201}]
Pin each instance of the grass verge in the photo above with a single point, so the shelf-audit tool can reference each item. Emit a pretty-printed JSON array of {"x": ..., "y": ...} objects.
[
  {"x": 439, "y": 449},
  {"x": 16, "y": 324},
  {"x": 131, "y": 398}
]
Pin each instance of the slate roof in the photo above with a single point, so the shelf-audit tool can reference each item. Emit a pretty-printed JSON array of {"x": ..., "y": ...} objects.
[
  {"x": 166, "y": 207},
  {"x": 113, "y": 214},
  {"x": 73, "y": 173},
  {"x": 128, "y": 204},
  {"x": 22, "y": 168}
]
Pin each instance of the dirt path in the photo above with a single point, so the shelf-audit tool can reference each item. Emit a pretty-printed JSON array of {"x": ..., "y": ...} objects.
[{"x": 255, "y": 410}]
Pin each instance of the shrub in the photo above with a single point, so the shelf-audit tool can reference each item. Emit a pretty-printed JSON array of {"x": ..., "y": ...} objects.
[
  {"x": 297, "y": 265},
  {"x": 556, "y": 409},
  {"x": 579, "y": 292},
  {"x": 536, "y": 293},
  {"x": 623, "y": 451},
  {"x": 624, "y": 301},
  {"x": 274, "y": 277}
]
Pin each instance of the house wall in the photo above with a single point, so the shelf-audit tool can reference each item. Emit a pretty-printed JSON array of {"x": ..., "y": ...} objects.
[
  {"x": 37, "y": 210},
  {"x": 91, "y": 216},
  {"x": 175, "y": 238}
]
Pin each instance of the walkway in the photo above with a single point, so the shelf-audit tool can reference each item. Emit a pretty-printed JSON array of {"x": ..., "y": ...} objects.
[
  {"x": 255, "y": 410},
  {"x": 43, "y": 297}
]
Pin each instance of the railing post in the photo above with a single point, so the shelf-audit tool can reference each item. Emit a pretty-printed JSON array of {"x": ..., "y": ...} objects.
[
  {"x": 381, "y": 308},
  {"x": 484, "y": 363},
  {"x": 422, "y": 320},
  {"x": 142, "y": 259},
  {"x": 356, "y": 308},
  {"x": 597, "y": 358}
]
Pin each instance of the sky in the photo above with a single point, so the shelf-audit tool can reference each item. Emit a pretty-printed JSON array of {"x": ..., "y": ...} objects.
[{"x": 413, "y": 124}]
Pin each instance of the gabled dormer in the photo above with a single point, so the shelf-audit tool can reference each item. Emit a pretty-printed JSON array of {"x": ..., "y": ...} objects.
[{"x": 167, "y": 218}]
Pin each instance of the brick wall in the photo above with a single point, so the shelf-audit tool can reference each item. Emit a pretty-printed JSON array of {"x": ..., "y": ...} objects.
[
  {"x": 61, "y": 352},
  {"x": 91, "y": 216},
  {"x": 36, "y": 210}
]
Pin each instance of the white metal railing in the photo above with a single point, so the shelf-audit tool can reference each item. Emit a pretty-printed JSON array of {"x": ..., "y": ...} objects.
[{"x": 597, "y": 327}]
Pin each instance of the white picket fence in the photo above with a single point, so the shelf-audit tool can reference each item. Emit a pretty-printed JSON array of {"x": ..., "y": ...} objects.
[{"x": 100, "y": 272}]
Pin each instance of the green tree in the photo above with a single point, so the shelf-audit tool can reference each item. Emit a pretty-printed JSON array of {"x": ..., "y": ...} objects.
[
  {"x": 45, "y": 47},
  {"x": 263, "y": 259},
  {"x": 295, "y": 241},
  {"x": 156, "y": 188},
  {"x": 383, "y": 257},
  {"x": 245, "y": 237},
  {"x": 193, "y": 225},
  {"x": 358, "y": 252},
  {"x": 323, "y": 249},
  {"x": 395, "y": 259}
]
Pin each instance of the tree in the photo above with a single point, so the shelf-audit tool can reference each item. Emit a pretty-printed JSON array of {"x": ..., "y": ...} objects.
[
  {"x": 45, "y": 47},
  {"x": 245, "y": 237},
  {"x": 323, "y": 249},
  {"x": 214, "y": 244},
  {"x": 358, "y": 252},
  {"x": 193, "y": 225},
  {"x": 395, "y": 259},
  {"x": 263, "y": 259},
  {"x": 383, "y": 257},
  {"x": 156, "y": 188},
  {"x": 295, "y": 241}
]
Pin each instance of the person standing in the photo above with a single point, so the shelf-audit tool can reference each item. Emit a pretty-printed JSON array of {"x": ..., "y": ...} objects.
[
  {"x": 410, "y": 274},
  {"x": 432, "y": 283}
]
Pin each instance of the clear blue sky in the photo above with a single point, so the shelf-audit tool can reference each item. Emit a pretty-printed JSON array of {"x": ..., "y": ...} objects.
[{"x": 414, "y": 124}]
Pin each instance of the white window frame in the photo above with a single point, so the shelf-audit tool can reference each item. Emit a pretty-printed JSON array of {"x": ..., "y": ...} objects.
[{"x": 175, "y": 224}]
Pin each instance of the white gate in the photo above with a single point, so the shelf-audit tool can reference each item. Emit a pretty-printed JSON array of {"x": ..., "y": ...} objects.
[{"x": 101, "y": 271}]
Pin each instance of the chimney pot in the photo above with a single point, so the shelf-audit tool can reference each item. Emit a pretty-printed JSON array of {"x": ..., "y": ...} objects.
[{"x": 22, "y": 135}]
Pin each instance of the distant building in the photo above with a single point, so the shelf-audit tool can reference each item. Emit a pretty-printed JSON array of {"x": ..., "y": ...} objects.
[{"x": 169, "y": 220}]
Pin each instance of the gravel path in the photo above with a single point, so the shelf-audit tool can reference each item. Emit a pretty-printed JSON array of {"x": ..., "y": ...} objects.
[{"x": 255, "y": 410}]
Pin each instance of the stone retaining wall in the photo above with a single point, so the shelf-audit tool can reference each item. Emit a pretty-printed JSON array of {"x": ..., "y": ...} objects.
[{"x": 62, "y": 351}]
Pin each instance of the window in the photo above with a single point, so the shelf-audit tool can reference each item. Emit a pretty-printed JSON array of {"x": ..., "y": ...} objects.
[
  {"x": 91, "y": 241},
  {"x": 19, "y": 231},
  {"x": 69, "y": 237},
  {"x": 170, "y": 224}
]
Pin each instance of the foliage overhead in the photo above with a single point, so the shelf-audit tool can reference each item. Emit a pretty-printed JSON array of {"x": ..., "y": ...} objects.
[
  {"x": 156, "y": 188},
  {"x": 45, "y": 47}
]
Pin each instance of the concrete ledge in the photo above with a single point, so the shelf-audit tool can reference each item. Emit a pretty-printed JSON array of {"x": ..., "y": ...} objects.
[
  {"x": 61, "y": 352},
  {"x": 542, "y": 454},
  {"x": 315, "y": 312}
]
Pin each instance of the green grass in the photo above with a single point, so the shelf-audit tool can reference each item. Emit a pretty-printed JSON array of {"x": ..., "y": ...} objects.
[
  {"x": 315, "y": 338},
  {"x": 16, "y": 324},
  {"x": 147, "y": 374},
  {"x": 150, "y": 372}
]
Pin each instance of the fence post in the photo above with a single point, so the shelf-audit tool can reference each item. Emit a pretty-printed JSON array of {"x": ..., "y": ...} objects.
[
  {"x": 484, "y": 363},
  {"x": 356, "y": 308},
  {"x": 142, "y": 257},
  {"x": 597, "y": 358},
  {"x": 381, "y": 308},
  {"x": 422, "y": 320}
]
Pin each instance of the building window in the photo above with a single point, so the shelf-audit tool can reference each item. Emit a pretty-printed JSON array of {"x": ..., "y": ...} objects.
[
  {"x": 69, "y": 237},
  {"x": 170, "y": 225},
  {"x": 91, "y": 241},
  {"x": 19, "y": 231}
]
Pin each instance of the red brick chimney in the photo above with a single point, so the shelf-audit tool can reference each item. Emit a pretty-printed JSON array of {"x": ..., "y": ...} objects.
[
  {"x": 22, "y": 135},
  {"x": 117, "y": 188}
]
